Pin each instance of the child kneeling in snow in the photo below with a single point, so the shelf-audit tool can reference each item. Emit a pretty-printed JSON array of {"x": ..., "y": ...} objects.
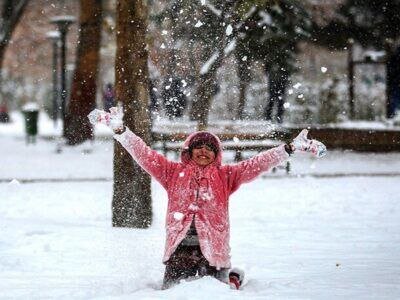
[{"x": 197, "y": 222}]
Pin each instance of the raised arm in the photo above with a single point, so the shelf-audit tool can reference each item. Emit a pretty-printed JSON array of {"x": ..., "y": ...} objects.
[
  {"x": 157, "y": 165},
  {"x": 249, "y": 169},
  {"x": 152, "y": 162}
]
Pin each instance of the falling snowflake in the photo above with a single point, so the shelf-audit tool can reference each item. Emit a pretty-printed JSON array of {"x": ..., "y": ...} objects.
[
  {"x": 297, "y": 85},
  {"x": 178, "y": 216},
  {"x": 198, "y": 24},
  {"x": 324, "y": 69},
  {"x": 229, "y": 30}
]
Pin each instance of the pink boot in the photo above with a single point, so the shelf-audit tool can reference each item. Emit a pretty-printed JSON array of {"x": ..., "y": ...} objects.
[{"x": 236, "y": 277}]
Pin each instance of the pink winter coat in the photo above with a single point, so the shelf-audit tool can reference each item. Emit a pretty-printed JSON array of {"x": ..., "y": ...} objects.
[{"x": 199, "y": 193}]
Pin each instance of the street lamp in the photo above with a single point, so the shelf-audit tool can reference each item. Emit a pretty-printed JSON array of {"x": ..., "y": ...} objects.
[
  {"x": 54, "y": 37},
  {"x": 350, "y": 69},
  {"x": 63, "y": 23}
]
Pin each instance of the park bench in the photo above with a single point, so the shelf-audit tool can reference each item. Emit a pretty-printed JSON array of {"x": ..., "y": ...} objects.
[{"x": 239, "y": 143}]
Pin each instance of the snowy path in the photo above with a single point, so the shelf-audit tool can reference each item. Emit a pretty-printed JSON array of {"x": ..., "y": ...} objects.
[{"x": 303, "y": 238}]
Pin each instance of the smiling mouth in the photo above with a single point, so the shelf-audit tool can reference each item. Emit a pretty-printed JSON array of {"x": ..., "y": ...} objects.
[{"x": 203, "y": 157}]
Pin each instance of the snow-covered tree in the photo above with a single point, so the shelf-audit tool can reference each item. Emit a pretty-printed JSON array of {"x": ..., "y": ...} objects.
[
  {"x": 270, "y": 34},
  {"x": 205, "y": 28}
]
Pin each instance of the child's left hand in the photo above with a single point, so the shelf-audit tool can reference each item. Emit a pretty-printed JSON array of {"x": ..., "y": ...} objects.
[{"x": 302, "y": 143}]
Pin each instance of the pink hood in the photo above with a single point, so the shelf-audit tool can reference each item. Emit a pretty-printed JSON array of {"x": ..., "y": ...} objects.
[{"x": 185, "y": 154}]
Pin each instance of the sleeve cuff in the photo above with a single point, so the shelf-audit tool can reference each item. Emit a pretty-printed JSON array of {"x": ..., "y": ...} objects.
[{"x": 124, "y": 137}]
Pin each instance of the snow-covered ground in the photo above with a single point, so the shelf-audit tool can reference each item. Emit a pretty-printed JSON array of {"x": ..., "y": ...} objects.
[{"x": 332, "y": 235}]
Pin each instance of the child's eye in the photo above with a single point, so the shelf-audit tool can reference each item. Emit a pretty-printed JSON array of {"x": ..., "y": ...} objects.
[{"x": 205, "y": 147}]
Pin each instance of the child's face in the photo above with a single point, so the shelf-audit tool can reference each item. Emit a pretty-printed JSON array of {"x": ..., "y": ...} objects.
[{"x": 203, "y": 155}]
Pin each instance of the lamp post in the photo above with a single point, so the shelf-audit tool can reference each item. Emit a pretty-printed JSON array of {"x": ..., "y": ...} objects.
[
  {"x": 63, "y": 23},
  {"x": 54, "y": 37},
  {"x": 350, "y": 69}
]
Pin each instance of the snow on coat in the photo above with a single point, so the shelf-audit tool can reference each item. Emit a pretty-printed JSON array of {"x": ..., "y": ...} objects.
[{"x": 199, "y": 193}]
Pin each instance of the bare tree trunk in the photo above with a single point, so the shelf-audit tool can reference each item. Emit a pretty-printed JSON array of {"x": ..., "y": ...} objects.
[
  {"x": 12, "y": 11},
  {"x": 84, "y": 84},
  {"x": 202, "y": 101},
  {"x": 244, "y": 79},
  {"x": 132, "y": 191},
  {"x": 242, "y": 100}
]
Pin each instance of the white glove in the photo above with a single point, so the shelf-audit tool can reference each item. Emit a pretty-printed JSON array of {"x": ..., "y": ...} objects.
[
  {"x": 112, "y": 119},
  {"x": 301, "y": 143}
]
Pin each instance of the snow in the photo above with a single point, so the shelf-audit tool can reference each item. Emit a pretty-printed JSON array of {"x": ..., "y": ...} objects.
[
  {"x": 229, "y": 30},
  {"x": 63, "y": 19},
  {"x": 53, "y": 34},
  {"x": 198, "y": 24},
  {"x": 207, "y": 65},
  {"x": 266, "y": 18},
  {"x": 230, "y": 47},
  {"x": 297, "y": 85},
  {"x": 178, "y": 216},
  {"x": 212, "y": 8},
  {"x": 374, "y": 55},
  {"x": 30, "y": 106},
  {"x": 328, "y": 230}
]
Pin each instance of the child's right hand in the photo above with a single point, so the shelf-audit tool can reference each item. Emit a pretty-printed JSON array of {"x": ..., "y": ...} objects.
[{"x": 112, "y": 119}]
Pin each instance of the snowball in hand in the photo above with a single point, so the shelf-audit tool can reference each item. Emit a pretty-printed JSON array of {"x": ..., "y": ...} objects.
[
  {"x": 112, "y": 119},
  {"x": 302, "y": 143}
]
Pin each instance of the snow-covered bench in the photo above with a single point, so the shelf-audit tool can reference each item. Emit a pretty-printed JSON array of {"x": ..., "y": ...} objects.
[{"x": 237, "y": 143}]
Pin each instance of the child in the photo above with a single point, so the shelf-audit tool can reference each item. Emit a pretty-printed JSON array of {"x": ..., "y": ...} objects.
[{"x": 199, "y": 186}]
